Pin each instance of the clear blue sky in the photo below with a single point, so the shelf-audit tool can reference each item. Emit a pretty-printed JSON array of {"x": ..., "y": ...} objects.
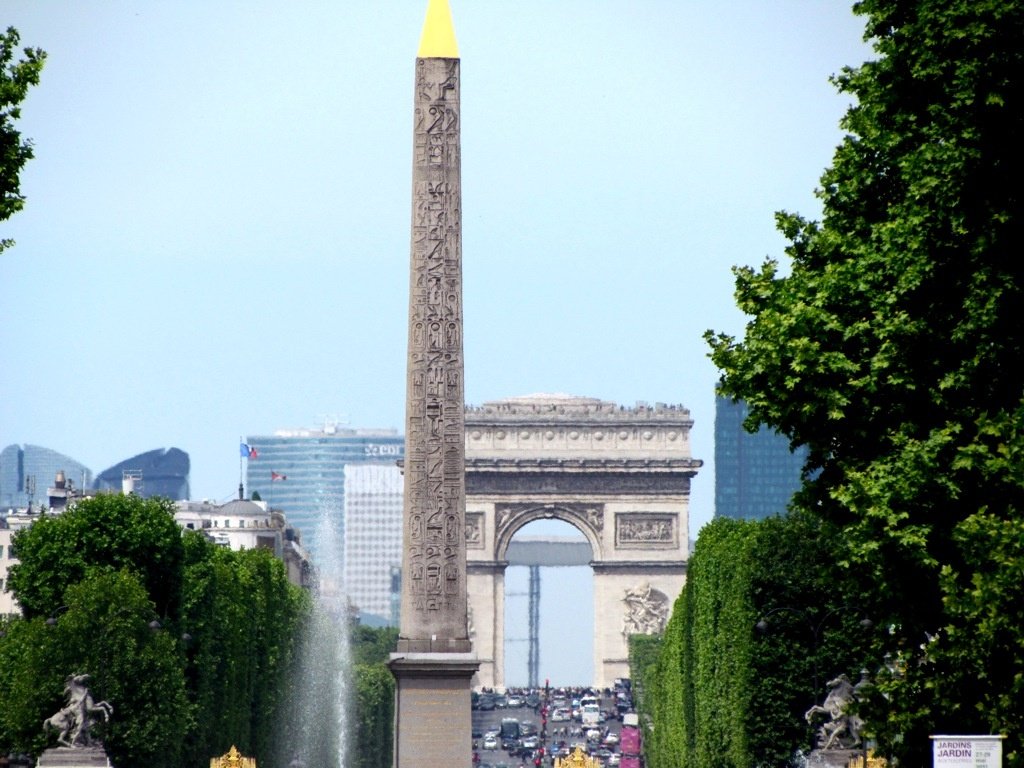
[{"x": 216, "y": 236}]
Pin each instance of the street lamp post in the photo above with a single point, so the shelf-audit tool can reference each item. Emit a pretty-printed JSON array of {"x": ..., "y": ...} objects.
[
  {"x": 104, "y": 630},
  {"x": 816, "y": 628}
]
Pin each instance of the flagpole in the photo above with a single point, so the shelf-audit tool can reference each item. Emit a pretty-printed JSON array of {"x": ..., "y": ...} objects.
[{"x": 241, "y": 490}]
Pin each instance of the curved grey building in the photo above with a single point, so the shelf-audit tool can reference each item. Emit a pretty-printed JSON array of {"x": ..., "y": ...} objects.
[{"x": 160, "y": 472}]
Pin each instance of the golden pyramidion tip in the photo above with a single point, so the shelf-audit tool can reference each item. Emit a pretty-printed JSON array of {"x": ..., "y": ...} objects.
[{"x": 438, "y": 38}]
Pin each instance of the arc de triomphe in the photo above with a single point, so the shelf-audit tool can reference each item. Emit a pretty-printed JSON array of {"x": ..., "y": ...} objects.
[{"x": 620, "y": 475}]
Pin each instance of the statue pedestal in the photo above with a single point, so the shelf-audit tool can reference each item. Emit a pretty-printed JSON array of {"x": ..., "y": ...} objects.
[
  {"x": 835, "y": 758},
  {"x": 74, "y": 757},
  {"x": 432, "y": 708}
]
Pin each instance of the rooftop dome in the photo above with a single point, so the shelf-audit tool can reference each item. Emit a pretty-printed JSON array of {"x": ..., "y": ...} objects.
[{"x": 241, "y": 507}]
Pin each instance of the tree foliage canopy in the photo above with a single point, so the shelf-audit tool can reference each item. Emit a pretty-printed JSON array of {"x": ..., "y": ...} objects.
[
  {"x": 106, "y": 531},
  {"x": 373, "y": 733},
  {"x": 192, "y": 643},
  {"x": 15, "y": 79},
  {"x": 890, "y": 350}
]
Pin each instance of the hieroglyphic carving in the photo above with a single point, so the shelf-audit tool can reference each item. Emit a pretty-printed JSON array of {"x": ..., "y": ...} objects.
[
  {"x": 435, "y": 543},
  {"x": 638, "y": 530}
]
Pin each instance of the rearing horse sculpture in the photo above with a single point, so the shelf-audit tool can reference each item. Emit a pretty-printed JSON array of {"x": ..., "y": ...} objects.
[
  {"x": 840, "y": 696},
  {"x": 74, "y": 721}
]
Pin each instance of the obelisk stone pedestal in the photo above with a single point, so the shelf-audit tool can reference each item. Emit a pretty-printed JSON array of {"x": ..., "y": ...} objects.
[{"x": 432, "y": 698}]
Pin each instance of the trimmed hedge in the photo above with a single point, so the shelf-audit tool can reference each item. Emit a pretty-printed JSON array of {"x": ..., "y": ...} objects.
[{"x": 726, "y": 694}]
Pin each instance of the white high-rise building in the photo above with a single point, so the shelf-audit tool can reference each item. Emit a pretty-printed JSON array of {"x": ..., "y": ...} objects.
[{"x": 373, "y": 535}]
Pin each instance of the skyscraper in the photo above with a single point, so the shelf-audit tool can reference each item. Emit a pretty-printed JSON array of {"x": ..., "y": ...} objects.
[
  {"x": 303, "y": 472},
  {"x": 756, "y": 474},
  {"x": 26, "y": 473},
  {"x": 373, "y": 537}
]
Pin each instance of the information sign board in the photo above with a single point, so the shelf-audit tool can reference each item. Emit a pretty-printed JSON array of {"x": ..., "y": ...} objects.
[{"x": 967, "y": 751}]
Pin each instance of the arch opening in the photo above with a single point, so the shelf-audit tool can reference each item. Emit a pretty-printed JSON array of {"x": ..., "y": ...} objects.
[{"x": 549, "y": 605}]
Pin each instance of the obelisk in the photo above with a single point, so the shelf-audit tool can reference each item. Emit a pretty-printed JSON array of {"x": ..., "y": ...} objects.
[{"x": 434, "y": 663}]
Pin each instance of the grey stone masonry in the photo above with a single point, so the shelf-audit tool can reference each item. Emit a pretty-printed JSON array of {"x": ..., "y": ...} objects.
[
  {"x": 433, "y": 617},
  {"x": 74, "y": 757}
]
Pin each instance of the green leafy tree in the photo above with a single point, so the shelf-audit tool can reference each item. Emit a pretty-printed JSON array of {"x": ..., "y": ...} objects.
[
  {"x": 104, "y": 631},
  {"x": 15, "y": 79},
  {"x": 370, "y": 649},
  {"x": 767, "y": 616},
  {"x": 656, "y": 670},
  {"x": 374, "y": 716},
  {"x": 30, "y": 683},
  {"x": 888, "y": 349},
  {"x": 373, "y": 645},
  {"x": 211, "y": 672},
  {"x": 108, "y": 530},
  {"x": 243, "y": 620}
]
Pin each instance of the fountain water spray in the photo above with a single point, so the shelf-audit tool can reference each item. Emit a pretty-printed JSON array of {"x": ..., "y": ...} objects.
[{"x": 318, "y": 697}]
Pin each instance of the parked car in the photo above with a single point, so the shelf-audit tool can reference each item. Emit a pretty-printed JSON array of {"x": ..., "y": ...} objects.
[{"x": 490, "y": 741}]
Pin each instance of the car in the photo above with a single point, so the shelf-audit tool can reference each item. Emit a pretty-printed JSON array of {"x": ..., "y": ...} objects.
[
  {"x": 611, "y": 739},
  {"x": 560, "y": 715},
  {"x": 485, "y": 703},
  {"x": 490, "y": 741},
  {"x": 615, "y": 759},
  {"x": 514, "y": 701},
  {"x": 530, "y": 742}
]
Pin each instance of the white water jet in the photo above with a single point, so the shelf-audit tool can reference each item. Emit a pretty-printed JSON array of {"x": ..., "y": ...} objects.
[{"x": 319, "y": 704}]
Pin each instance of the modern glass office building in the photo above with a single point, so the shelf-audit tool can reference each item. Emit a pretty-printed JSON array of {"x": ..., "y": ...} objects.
[
  {"x": 755, "y": 474},
  {"x": 306, "y": 472},
  {"x": 26, "y": 473}
]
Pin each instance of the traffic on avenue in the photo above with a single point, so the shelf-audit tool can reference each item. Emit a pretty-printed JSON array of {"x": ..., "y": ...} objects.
[{"x": 524, "y": 727}]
